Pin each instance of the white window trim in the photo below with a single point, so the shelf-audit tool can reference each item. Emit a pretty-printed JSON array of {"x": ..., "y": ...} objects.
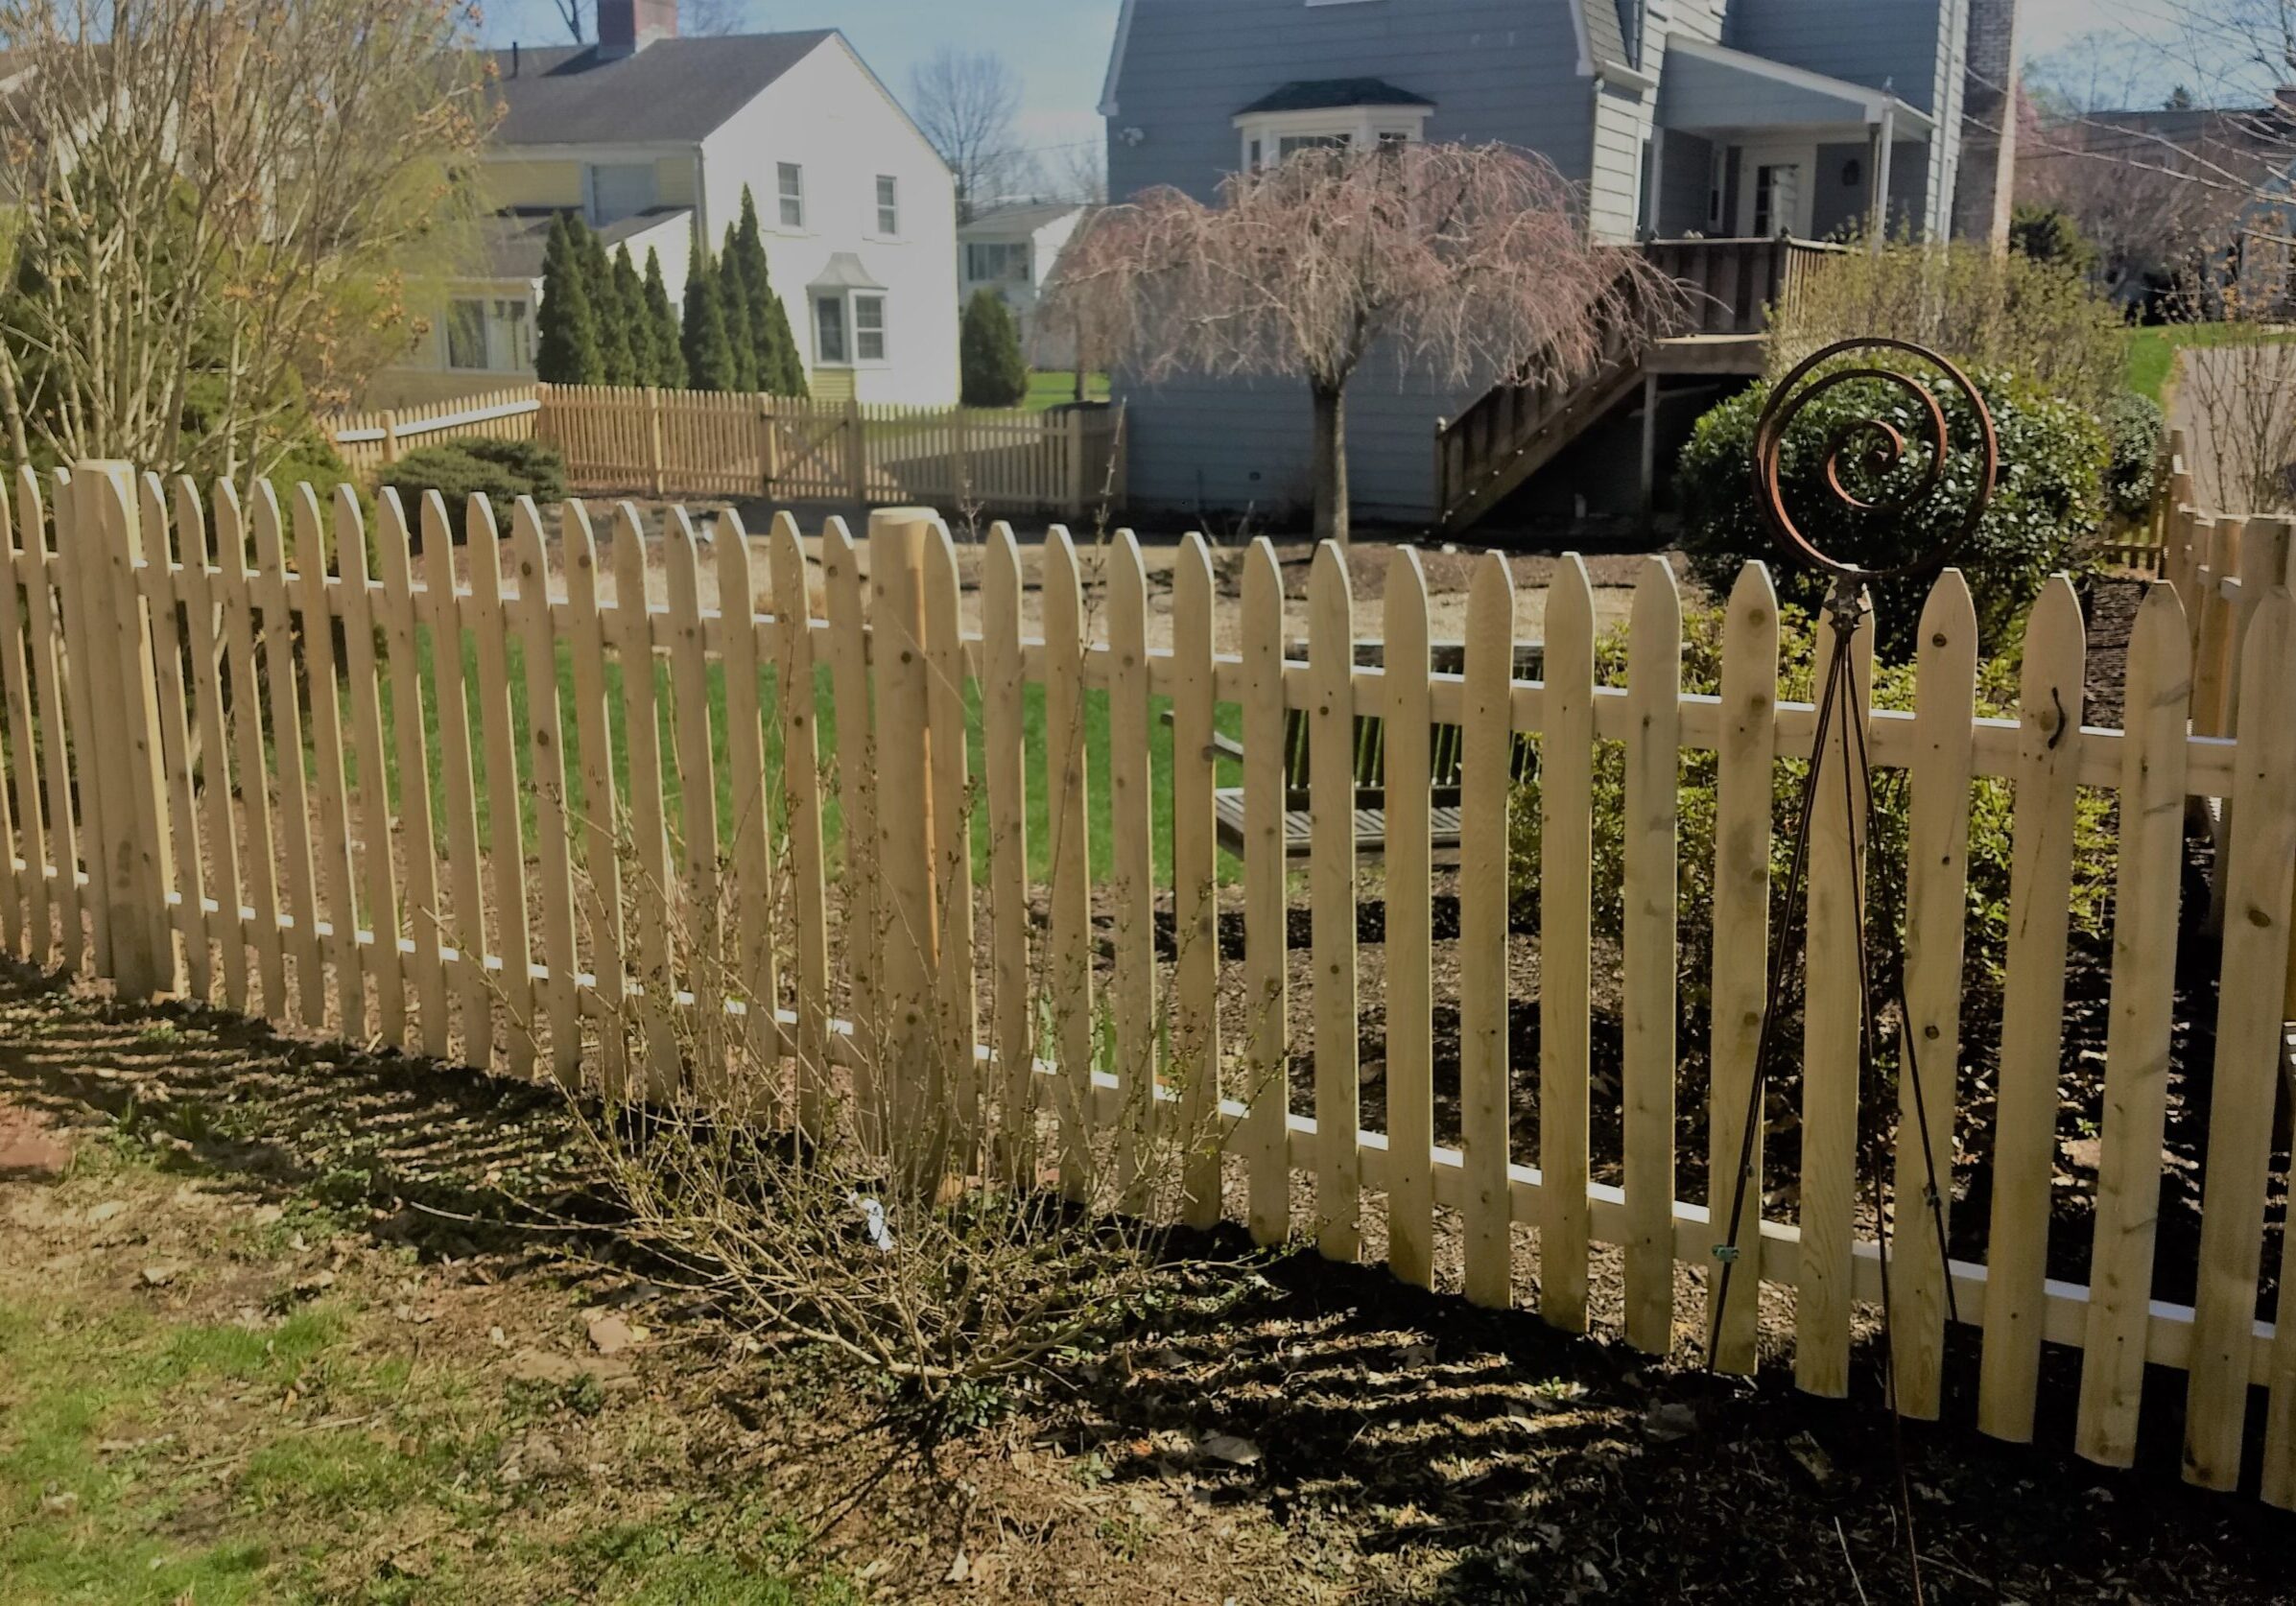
[
  {"x": 845, "y": 297},
  {"x": 1362, "y": 125},
  {"x": 879, "y": 206},
  {"x": 487, "y": 301},
  {"x": 780, "y": 199}
]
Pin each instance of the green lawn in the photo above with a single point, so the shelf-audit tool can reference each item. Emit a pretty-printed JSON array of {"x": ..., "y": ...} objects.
[
  {"x": 2152, "y": 350},
  {"x": 1048, "y": 389}
]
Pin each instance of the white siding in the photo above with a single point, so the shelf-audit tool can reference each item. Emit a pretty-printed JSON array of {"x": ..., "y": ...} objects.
[{"x": 830, "y": 115}]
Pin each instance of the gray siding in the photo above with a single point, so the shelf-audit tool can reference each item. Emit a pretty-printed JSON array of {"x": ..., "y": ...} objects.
[
  {"x": 1496, "y": 69},
  {"x": 1883, "y": 44},
  {"x": 1833, "y": 204}
]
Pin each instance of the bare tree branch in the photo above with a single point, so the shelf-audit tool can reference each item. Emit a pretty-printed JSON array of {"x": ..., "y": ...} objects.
[{"x": 965, "y": 102}]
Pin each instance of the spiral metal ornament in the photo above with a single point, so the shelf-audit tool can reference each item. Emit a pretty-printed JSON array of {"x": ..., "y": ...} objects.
[{"x": 1875, "y": 445}]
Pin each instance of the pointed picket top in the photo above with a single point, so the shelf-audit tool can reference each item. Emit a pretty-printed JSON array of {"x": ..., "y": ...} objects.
[
  {"x": 1569, "y": 604},
  {"x": 1263, "y": 582},
  {"x": 731, "y": 560},
  {"x": 1125, "y": 576},
  {"x": 527, "y": 548},
  {"x": 1061, "y": 568},
  {"x": 1407, "y": 590},
  {"x": 1657, "y": 608},
  {"x": 1491, "y": 598},
  {"x": 1949, "y": 615},
  {"x": 1195, "y": 557},
  {"x": 1328, "y": 587},
  {"x": 2055, "y": 641}
]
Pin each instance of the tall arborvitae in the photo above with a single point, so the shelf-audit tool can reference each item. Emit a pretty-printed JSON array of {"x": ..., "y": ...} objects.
[
  {"x": 668, "y": 359},
  {"x": 566, "y": 350},
  {"x": 780, "y": 369},
  {"x": 733, "y": 290},
  {"x": 616, "y": 361},
  {"x": 629, "y": 311},
  {"x": 989, "y": 364},
  {"x": 709, "y": 354}
]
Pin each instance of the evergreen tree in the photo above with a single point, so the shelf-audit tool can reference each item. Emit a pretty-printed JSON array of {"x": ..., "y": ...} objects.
[
  {"x": 708, "y": 353},
  {"x": 733, "y": 290},
  {"x": 630, "y": 312},
  {"x": 668, "y": 359},
  {"x": 616, "y": 361},
  {"x": 988, "y": 353},
  {"x": 779, "y": 368},
  {"x": 566, "y": 350}
]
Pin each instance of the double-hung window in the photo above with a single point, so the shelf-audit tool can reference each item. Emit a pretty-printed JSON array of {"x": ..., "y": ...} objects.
[
  {"x": 790, "y": 179},
  {"x": 849, "y": 327},
  {"x": 488, "y": 335},
  {"x": 888, "y": 205},
  {"x": 987, "y": 261}
]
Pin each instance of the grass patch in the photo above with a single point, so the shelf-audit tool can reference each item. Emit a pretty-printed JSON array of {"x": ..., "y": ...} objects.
[
  {"x": 2152, "y": 350},
  {"x": 673, "y": 783},
  {"x": 1058, "y": 387},
  {"x": 155, "y": 1453}
]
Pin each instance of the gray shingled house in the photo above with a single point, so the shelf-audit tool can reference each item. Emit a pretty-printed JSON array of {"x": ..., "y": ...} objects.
[{"x": 1730, "y": 137}]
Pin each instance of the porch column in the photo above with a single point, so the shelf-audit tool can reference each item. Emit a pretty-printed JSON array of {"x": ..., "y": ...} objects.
[
  {"x": 1884, "y": 137},
  {"x": 1650, "y": 484}
]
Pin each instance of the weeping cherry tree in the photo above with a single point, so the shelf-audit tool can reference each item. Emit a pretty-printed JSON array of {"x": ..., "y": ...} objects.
[{"x": 1464, "y": 264}]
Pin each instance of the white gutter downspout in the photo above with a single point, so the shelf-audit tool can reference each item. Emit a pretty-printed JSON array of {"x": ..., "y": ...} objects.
[{"x": 702, "y": 201}]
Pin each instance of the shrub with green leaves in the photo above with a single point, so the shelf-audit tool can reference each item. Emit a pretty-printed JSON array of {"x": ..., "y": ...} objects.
[
  {"x": 2133, "y": 426},
  {"x": 500, "y": 470},
  {"x": 993, "y": 370},
  {"x": 2045, "y": 514},
  {"x": 1991, "y": 799}
]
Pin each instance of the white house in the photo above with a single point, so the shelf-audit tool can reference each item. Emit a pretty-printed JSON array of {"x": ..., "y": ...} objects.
[
  {"x": 654, "y": 138},
  {"x": 1010, "y": 249}
]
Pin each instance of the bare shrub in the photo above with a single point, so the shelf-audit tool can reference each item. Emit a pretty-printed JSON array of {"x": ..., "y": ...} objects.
[
  {"x": 2236, "y": 386},
  {"x": 1985, "y": 309},
  {"x": 990, "y": 1242}
]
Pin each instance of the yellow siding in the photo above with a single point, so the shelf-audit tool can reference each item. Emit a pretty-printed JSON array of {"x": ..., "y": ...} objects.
[
  {"x": 518, "y": 182},
  {"x": 831, "y": 385},
  {"x": 674, "y": 180}
]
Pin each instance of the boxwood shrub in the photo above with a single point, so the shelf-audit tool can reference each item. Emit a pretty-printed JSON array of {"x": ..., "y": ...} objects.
[{"x": 2046, "y": 509}]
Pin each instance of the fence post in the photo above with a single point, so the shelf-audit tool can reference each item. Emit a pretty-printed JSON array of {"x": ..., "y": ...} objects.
[
  {"x": 390, "y": 437},
  {"x": 655, "y": 460},
  {"x": 1074, "y": 420},
  {"x": 856, "y": 459},
  {"x": 133, "y": 869},
  {"x": 769, "y": 445},
  {"x": 914, "y": 1085}
]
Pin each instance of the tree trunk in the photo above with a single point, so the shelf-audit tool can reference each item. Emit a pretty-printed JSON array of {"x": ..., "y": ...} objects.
[{"x": 1329, "y": 463}]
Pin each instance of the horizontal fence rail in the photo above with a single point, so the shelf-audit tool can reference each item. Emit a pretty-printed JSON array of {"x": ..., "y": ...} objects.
[
  {"x": 454, "y": 800},
  {"x": 699, "y": 443}
]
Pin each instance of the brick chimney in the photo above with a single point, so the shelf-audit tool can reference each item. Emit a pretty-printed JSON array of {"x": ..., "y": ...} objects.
[
  {"x": 1983, "y": 192},
  {"x": 625, "y": 27}
]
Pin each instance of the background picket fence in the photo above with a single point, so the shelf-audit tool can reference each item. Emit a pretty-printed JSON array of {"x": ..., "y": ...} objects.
[
  {"x": 478, "y": 908},
  {"x": 697, "y": 443}
]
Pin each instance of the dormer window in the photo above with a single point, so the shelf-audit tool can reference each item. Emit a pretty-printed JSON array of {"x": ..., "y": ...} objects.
[{"x": 1348, "y": 113}]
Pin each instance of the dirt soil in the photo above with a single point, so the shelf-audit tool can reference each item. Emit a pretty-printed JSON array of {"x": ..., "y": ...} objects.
[{"x": 284, "y": 1322}]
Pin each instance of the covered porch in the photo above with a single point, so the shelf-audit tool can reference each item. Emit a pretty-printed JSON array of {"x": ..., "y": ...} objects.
[{"x": 1747, "y": 147}]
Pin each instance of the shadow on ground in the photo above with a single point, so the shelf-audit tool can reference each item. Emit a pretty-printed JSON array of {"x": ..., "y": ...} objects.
[{"x": 1403, "y": 1446}]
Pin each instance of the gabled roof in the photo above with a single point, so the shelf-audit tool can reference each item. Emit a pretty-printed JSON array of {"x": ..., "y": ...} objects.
[
  {"x": 511, "y": 243},
  {"x": 1321, "y": 94},
  {"x": 673, "y": 90},
  {"x": 1020, "y": 216}
]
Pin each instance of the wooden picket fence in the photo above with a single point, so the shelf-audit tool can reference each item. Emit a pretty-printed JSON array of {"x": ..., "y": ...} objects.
[
  {"x": 696, "y": 443},
  {"x": 353, "y": 889}
]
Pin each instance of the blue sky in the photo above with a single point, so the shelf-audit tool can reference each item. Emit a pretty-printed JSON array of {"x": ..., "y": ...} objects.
[{"x": 1060, "y": 47}]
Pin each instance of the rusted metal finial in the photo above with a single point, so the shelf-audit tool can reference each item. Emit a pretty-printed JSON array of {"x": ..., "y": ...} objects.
[{"x": 1882, "y": 446}]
